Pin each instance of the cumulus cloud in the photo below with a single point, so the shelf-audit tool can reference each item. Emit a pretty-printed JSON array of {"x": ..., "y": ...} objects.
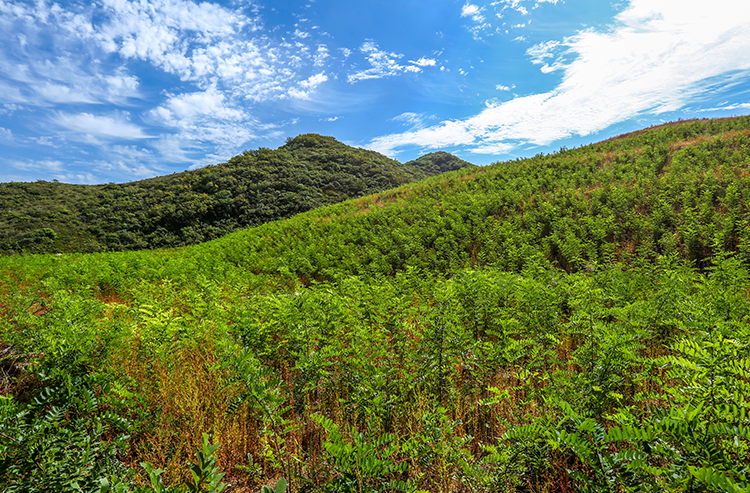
[{"x": 653, "y": 59}]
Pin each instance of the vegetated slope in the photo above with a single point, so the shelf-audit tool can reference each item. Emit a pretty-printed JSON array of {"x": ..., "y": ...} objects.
[
  {"x": 570, "y": 322},
  {"x": 195, "y": 206},
  {"x": 681, "y": 189}
]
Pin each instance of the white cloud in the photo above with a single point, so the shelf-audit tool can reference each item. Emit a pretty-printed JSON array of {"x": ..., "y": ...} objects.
[
  {"x": 100, "y": 126},
  {"x": 496, "y": 148},
  {"x": 384, "y": 64},
  {"x": 6, "y": 135},
  {"x": 653, "y": 59},
  {"x": 424, "y": 62},
  {"x": 36, "y": 76},
  {"x": 199, "y": 118},
  {"x": 314, "y": 81},
  {"x": 185, "y": 110},
  {"x": 409, "y": 118},
  {"x": 321, "y": 56},
  {"x": 489, "y": 24},
  {"x": 220, "y": 61},
  {"x": 200, "y": 42},
  {"x": 45, "y": 165},
  {"x": 308, "y": 86},
  {"x": 539, "y": 53},
  {"x": 501, "y": 87},
  {"x": 729, "y": 107},
  {"x": 128, "y": 161},
  {"x": 473, "y": 11}
]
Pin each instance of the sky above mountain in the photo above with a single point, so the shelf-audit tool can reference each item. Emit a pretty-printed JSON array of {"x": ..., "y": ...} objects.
[{"x": 117, "y": 90}]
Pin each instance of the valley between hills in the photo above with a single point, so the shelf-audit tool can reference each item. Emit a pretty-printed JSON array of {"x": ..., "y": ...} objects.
[{"x": 319, "y": 318}]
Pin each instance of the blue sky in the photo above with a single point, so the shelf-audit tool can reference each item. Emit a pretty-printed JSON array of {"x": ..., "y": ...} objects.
[{"x": 118, "y": 90}]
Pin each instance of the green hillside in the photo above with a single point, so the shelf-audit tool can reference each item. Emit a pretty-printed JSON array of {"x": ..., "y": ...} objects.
[
  {"x": 569, "y": 322},
  {"x": 309, "y": 171}
]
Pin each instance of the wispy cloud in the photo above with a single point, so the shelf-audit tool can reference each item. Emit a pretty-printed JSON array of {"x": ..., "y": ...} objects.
[
  {"x": 6, "y": 135},
  {"x": 413, "y": 120},
  {"x": 728, "y": 107},
  {"x": 653, "y": 59},
  {"x": 96, "y": 126},
  {"x": 46, "y": 165}
]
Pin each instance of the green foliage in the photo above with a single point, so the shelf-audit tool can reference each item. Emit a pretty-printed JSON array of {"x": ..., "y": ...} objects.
[
  {"x": 63, "y": 438},
  {"x": 206, "y": 476},
  {"x": 364, "y": 463},
  {"x": 571, "y": 322}
]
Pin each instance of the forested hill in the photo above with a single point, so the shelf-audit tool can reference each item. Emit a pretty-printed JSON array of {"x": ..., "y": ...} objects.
[{"x": 194, "y": 206}]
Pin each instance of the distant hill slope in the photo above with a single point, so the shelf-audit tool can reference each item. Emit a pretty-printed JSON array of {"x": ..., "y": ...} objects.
[
  {"x": 681, "y": 189},
  {"x": 253, "y": 188}
]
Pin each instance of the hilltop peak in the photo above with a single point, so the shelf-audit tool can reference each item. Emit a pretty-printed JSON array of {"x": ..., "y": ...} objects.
[
  {"x": 311, "y": 140},
  {"x": 439, "y": 162}
]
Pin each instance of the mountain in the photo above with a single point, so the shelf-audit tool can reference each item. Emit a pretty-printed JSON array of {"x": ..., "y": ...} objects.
[
  {"x": 255, "y": 187},
  {"x": 576, "y": 321}
]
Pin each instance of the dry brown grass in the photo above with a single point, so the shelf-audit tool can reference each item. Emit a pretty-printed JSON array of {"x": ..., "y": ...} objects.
[{"x": 184, "y": 396}]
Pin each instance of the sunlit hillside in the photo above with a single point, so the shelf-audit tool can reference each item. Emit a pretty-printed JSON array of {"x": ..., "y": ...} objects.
[{"x": 568, "y": 322}]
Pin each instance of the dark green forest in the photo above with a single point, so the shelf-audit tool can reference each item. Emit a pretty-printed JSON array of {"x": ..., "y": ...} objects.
[
  {"x": 181, "y": 209},
  {"x": 572, "y": 322}
]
